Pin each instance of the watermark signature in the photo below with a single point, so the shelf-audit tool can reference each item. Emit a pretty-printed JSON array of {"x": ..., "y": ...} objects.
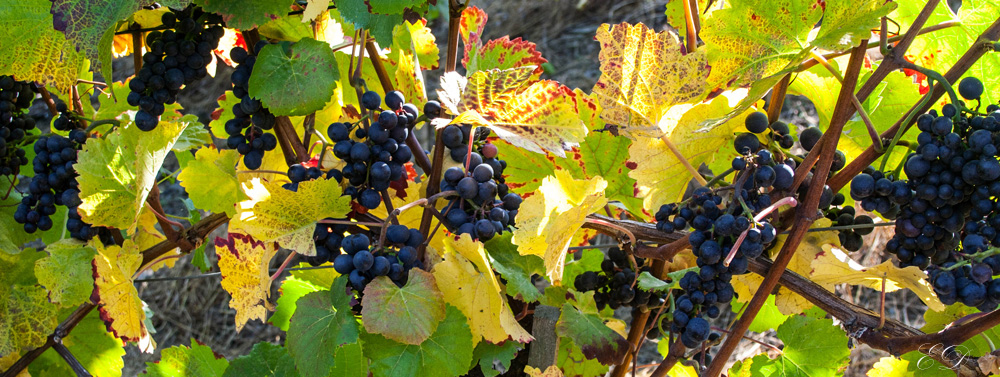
[{"x": 927, "y": 362}]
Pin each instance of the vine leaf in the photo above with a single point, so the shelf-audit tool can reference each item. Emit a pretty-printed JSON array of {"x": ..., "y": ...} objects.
[
  {"x": 446, "y": 353},
  {"x": 494, "y": 359},
  {"x": 643, "y": 74},
  {"x": 470, "y": 27},
  {"x": 246, "y": 14},
  {"x": 466, "y": 281},
  {"x": 572, "y": 362},
  {"x": 937, "y": 320},
  {"x": 417, "y": 38},
  {"x": 659, "y": 174},
  {"x": 595, "y": 338},
  {"x": 193, "y": 136},
  {"x": 94, "y": 347},
  {"x": 551, "y": 371},
  {"x": 313, "y": 9},
  {"x": 813, "y": 347},
  {"x": 847, "y": 22},
  {"x": 210, "y": 180},
  {"x": 198, "y": 360},
  {"x": 295, "y": 79},
  {"x": 244, "y": 264},
  {"x": 889, "y": 366},
  {"x": 222, "y": 114},
  {"x": 265, "y": 359},
  {"x": 676, "y": 18},
  {"x": 540, "y": 116},
  {"x": 115, "y": 294},
  {"x": 322, "y": 323},
  {"x": 118, "y": 171},
  {"x": 274, "y": 214},
  {"x": 35, "y": 51},
  {"x": 349, "y": 361},
  {"x": 409, "y": 314},
  {"x": 301, "y": 283},
  {"x": 504, "y": 53},
  {"x": 28, "y": 317},
  {"x": 548, "y": 220},
  {"x": 359, "y": 14},
  {"x": 768, "y": 318},
  {"x": 66, "y": 272},
  {"x": 516, "y": 269}
]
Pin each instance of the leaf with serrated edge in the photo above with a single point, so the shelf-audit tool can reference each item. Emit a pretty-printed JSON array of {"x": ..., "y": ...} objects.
[
  {"x": 297, "y": 80},
  {"x": 313, "y": 9},
  {"x": 274, "y": 214},
  {"x": 419, "y": 40},
  {"x": 516, "y": 269},
  {"x": 465, "y": 279},
  {"x": 34, "y": 50},
  {"x": 471, "y": 25},
  {"x": 118, "y": 171},
  {"x": 66, "y": 272},
  {"x": 548, "y": 219},
  {"x": 408, "y": 314},
  {"x": 301, "y": 283},
  {"x": 265, "y": 359},
  {"x": 643, "y": 74},
  {"x": 596, "y": 340},
  {"x": 847, "y": 22},
  {"x": 495, "y": 359},
  {"x": 446, "y": 353},
  {"x": 551, "y": 371},
  {"x": 244, "y": 264},
  {"x": 813, "y": 347},
  {"x": 195, "y": 135},
  {"x": 210, "y": 180},
  {"x": 94, "y": 347},
  {"x": 116, "y": 296},
  {"x": 246, "y": 14},
  {"x": 504, "y": 53},
  {"x": 322, "y": 322},
  {"x": 659, "y": 175},
  {"x": 198, "y": 360},
  {"x": 379, "y": 26}
]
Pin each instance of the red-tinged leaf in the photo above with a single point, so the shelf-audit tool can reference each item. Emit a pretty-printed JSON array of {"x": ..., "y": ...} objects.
[
  {"x": 471, "y": 25},
  {"x": 643, "y": 74},
  {"x": 244, "y": 264},
  {"x": 595, "y": 338},
  {"x": 409, "y": 314},
  {"x": 505, "y": 53}
]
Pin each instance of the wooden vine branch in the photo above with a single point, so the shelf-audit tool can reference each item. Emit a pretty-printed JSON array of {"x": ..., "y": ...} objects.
[
  {"x": 891, "y": 62},
  {"x": 637, "y": 329},
  {"x": 804, "y": 214},
  {"x": 47, "y": 98},
  {"x": 965, "y": 62},
  {"x": 778, "y": 98},
  {"x": 74, "y": 364},
  {"x": 61, "y": 331},
  {"x": 674, "y": 354}
]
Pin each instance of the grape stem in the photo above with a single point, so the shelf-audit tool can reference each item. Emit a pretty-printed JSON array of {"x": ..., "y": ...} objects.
[
  {"x": 687, "y": 164},
  {"x": 283, "y": 265},
  {"x": 690, "y": 14},
  {"x": 906, "y": 120},
  {"x": 628, "y": 233},
  {"x": 788, "y": 200}
]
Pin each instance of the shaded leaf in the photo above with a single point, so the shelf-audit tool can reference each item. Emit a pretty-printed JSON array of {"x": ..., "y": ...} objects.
[
  {"x": 356, "y": 12},
  {"x": 573, "y": 364},
  {"x": 516, "y": 269},
  {"x": 322, "y": 322},
  {"x": 408, "y": 314},
  {"x": 446, "y": 353},
  {"x": 246, "y": 14},
  {"x": 494, "y": 359},
  {"x": 265, "y": 359},
  {"x": 596, "y": 340},
  {"x": 66, "y": 272}
]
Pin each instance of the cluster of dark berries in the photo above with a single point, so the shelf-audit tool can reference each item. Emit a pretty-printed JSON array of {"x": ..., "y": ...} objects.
[
  {"x": 176, "y": 57},
  {"x": 484, "y": 206},
  {"x": 615, "y": 285},
  {"x": 15, "y": 99},
  {"x": 250, "y": 117},
  {"x": 850, "y": 239},
  {"x": 364, "y": 262}
]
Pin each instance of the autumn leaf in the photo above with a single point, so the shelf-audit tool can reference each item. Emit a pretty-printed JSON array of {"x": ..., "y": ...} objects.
[
  {"x": 34, "y": 51},
  {"x": 551, "y": 371},
  {"x": 409, "y": 314},
  {"x": 643, "y": 74},
  {"x": 244, "y": 264},
  {"x": 548, "y": 219},
  {"x": 471, "y": 25},
  {"x": 115, "y": 293},
  {"x": 197, "y": 360},
  {"x": 540, "y": 116},
  {"x": 274, "y": 214},
  {"x": 659, "y": 174},
  {"x": 210, "y": 180},
  {"x": 589, "y": 331},
  {"x": 465, "y": 279},
  {"x": 66, "y": 272},
  {"x": 418, "y": 40},
  {"x": 505, "y": 53},
  {"x": 889, "y": 366}
]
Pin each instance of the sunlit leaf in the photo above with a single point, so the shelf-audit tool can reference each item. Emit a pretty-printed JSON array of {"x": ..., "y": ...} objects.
[
  {"x": 210, "y": 180},
  {"x": 177, "y": 361},
  {"x": 115, "y": 294},
  {"x": 34, "y": 51},
  {"x": 246, "y": 14},
  {"x": 244, "y": 264},
  {"x": 66, "y": 272},
  {"x": 813, "y": 347},
  {"x": 294, "y": 80}
]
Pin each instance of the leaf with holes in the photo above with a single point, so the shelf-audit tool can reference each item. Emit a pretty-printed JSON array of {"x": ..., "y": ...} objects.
[
  {"x": 595, "y": 338},
  {"x": 274, "y": 214},
  {"x": 35, "y": 51},
  {"x": 294, "y": 79},
  {"x": 322, "y": 322},
  {"x": 197, "y": 360},
  {"x": 548, "y": 220},
  {"x": 643, "y": 74},
  {"x": 409, "y": 314},
  {"x": 115, "y": 294},
  {"x": 118, "y": 171},
  {"x": 210, "y": 180},
  {"x": 494, "y": 359},
  {"x": 66, "y": 272},
  {"x": 466, "y": 281},
  {"x": 446, "y": 353},
  {"x": 244, "y": 264}
]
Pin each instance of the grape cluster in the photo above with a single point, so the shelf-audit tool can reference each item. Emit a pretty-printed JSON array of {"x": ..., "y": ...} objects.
[
  {"x": 250, "y": 117},
  {"x": 456, "y": 138},
  {"x": 363, "y": 262},
  {"x": 757, "y": 123},
  {"x": 379, "y": 155},
  {"x": 615, "y": 284},
  {"x": 15, "y": 99},
  {"x": 176, "y": 57},
  {"x": 850, "y": 239},
  {"x": 484, "y": 206}
]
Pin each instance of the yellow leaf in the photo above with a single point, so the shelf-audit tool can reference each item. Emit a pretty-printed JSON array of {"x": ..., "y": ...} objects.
[
  {"x": 659, "y": 174},
  {"x": 313, "y": 9},
  {"x": 551, "y": 371},
  {"x": 643, "y": 74},
  {"x": 466, "y": 280},
  {"x": 548, "y": 219},
  {"x": 146, "y": 236},
  {"x": 121, "y": 45},
  {"x": 538, "y": 116},
  {"x": 889, "y": 366},
  {"x": 211, "y": 180},
  {"x": 244, "y": 264},
  {"x": 274, "y": 214},
  {"x": 118, "y": 300}
]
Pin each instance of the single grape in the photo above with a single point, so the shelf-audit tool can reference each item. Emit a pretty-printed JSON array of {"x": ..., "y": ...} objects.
[
  {"x": 970, "y": 88},
  {"x": 757, "y": 122}
]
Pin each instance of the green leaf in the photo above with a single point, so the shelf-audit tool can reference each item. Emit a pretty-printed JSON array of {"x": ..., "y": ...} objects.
[
  {"x": 118, "y": 171},
  {"x": 246, "y": 14},
  {"x": 210, "y": 180},
  {"x": 322, "y": 322},
  {"x": 675, "y": 14},
  {"x": 223, "y": 114},
  {"x": 596, "y": 340},
  {"x": 408, "y": 314},
  {"x": 295, "y": 79},
  {"x": 379, "y": 26},
  {"x": 515, "y": 268},
  {"x": 494, "y": 359},
  {"x": 194, "y": 135},
  {"x": 573, "y": 364},
  {"x": 651, "y": 283},
  {"x": 847, "y": 22},
  {"x": 446, "y": 353},
  {"x": 394, "y": 6},
  {"x": 28, "y": 318},
  {"x": 975, "y": 346},
  {"x": 287, "y": 28},
  {"x": 93, "y": 346},
  {"x": 589, "y": 261},
  {"x": 112, "y": 107},
  {"x": 292, "y": 289},
  {"x": 265, "y": 359},
  {"x": 34, "y": 51},
  {"x": 813, "y": 347},
  {"x": 349, "y": 361},
  {"x": 66, "y": 272},
  {"x": 768, "y": 318},
  {"x": 199, "y": 360}
]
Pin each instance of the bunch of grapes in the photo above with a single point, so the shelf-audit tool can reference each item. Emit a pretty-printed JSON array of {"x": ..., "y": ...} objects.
[
  {"x": 615, "y": 284},
  {"x": 456, "y": 138},
  {"x": 176, "y": 57},
  {"x": 379, "y": 155},
  {"x": 15, "y": 99},
  {"x": 363, "y": 262},
  {"x": 483, "y": 206},
  {"x": 250, "y": 117},
  {"x": 850, "y": 239}
]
